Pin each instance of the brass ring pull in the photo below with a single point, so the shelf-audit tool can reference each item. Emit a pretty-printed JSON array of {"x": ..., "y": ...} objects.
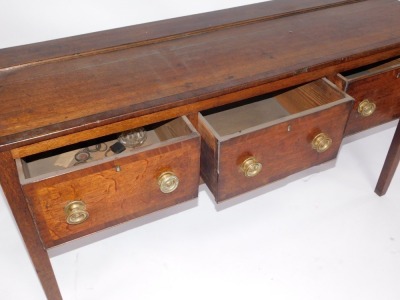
[
  {"x": 168, "y": 182},
  {"x": 321, "y": 142},
  {"x": 366, "y": 108},
  {"x": 76, "y": 212},
  {"x": 251, "y": 167}
]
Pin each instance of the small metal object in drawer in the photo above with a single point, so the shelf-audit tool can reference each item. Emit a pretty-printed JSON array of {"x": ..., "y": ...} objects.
[{"x": 112, "y": 189}]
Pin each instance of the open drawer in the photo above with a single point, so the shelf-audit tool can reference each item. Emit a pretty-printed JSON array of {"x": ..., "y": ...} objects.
[
  {"x": 69, "y": 198},
  {"x": 376, "y": 90},
  {"x": 260, "y": 140}
]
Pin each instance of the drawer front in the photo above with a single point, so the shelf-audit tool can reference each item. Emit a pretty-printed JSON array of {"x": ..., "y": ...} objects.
[
  {"x": 281, "y": 149},
  {"x": 115, "y": 191},
  {"x": 377, "y": 99}
]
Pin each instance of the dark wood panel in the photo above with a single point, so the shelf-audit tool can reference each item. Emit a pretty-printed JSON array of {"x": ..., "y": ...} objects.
[
  {"x": 78, "y": 94},
  {"x": 113, "y": 196},
  {"x": 138, "y": 35},
  {"x": 209, "y": 155}
]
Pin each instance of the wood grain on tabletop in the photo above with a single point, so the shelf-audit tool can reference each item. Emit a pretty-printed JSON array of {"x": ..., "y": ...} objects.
[{"x": 62, "y": 96}]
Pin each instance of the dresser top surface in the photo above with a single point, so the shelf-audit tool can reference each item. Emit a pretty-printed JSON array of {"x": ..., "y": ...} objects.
[{"x": 68, "y": 85}]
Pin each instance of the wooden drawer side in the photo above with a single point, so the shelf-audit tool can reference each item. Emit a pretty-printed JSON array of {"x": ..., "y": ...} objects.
[{"x": 209, "y": 158}]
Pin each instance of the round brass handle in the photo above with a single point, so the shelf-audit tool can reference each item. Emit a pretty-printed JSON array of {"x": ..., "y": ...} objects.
[
  {"x": 168, "y": 182},
  {"x": 76, "y": 212},
  {"x": 251, "y": 167},
  {"x": 366, "y": 108},
  {"x": 321, "y": 142}
]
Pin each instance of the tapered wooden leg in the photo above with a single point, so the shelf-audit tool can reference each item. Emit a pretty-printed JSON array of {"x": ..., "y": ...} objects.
[
  {"x": 390, "y": 165},
  {"x": 19, "y": 207}
]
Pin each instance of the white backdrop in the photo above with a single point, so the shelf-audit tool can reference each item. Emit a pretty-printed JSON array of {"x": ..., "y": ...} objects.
[{"x": 321, "y": 234}]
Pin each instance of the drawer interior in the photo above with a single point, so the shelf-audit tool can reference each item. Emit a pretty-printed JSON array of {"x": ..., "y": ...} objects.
[
  {"x": 235, "y": 118},
  {"x": 372, "y": 69},
  {"x": 64, "y": 159}
]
